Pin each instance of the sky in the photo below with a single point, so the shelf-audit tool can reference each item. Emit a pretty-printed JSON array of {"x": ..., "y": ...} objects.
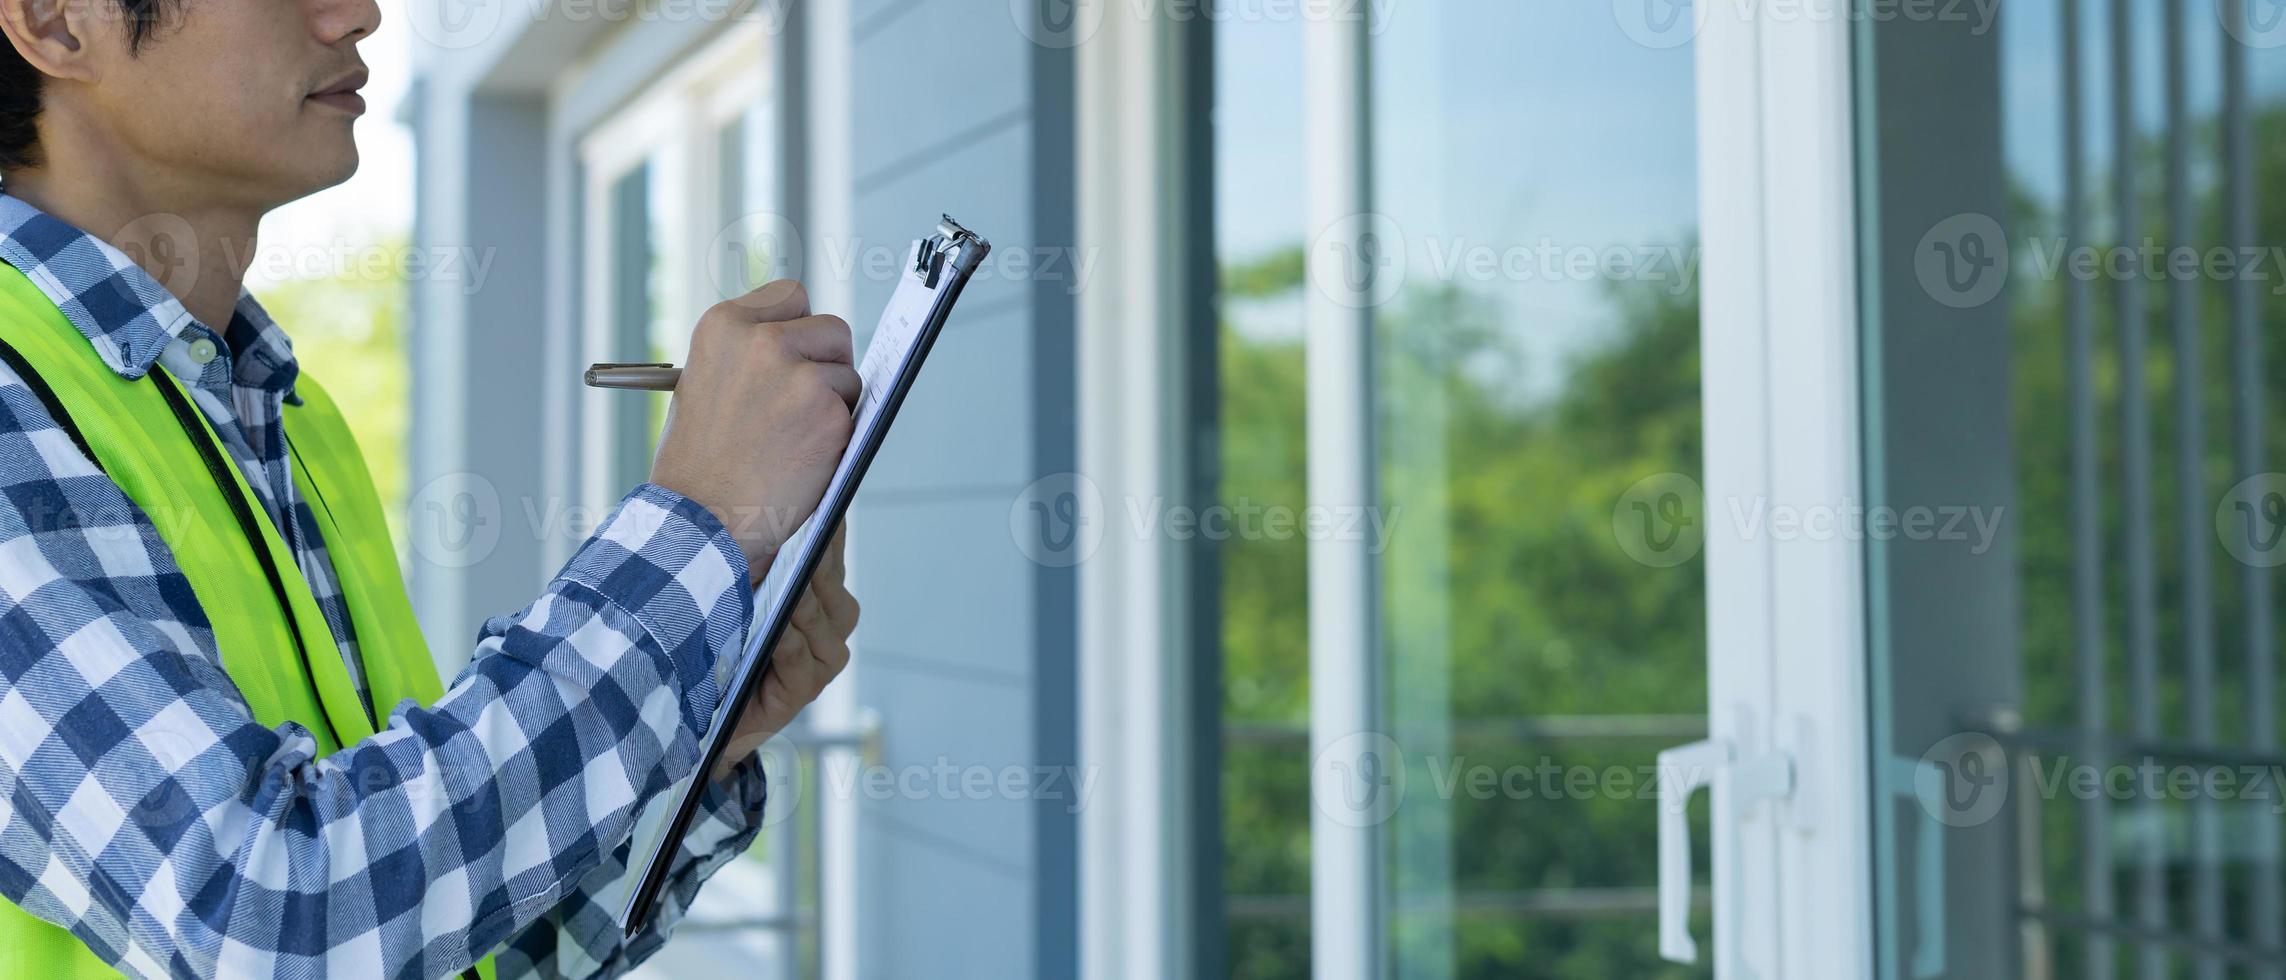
[
  {"x": 1503, "y": 130},
  {"x": 377, "y": 204}
]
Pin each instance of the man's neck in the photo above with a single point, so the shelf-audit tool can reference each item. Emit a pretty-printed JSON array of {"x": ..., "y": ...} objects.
[{"x": 197, "y": 250}]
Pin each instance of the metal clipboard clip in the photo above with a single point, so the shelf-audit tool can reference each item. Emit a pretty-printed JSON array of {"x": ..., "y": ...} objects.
[{"x": 929, "y": 260}]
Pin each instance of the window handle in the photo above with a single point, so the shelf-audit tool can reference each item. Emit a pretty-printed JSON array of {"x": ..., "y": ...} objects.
[
  {"x": 1683, "y": 771},
  {"x": 1919, "y": 780},
  {"x": 1738, "y": 786}
]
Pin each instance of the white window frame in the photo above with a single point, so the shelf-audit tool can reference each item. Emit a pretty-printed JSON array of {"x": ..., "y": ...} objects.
[
  {"x": 1137, "y": 838},
  {"x": 680, "y": 112},
  {"x": 1786, "y": 660}
]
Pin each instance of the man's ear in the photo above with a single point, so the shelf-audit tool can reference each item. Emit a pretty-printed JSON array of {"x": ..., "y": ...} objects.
[{"x": 53, "y": 35}]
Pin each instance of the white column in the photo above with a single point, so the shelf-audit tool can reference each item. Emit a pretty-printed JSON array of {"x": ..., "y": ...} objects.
[
  {"x": 1137, "y": 840},
  {"x": 1347, "y": 926},
  {"x": 822, "y": 29}
]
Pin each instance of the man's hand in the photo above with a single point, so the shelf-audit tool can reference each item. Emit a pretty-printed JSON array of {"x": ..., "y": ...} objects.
[
  {"x": 809, "y": 656},
  {"x": 761, "y": 417}
]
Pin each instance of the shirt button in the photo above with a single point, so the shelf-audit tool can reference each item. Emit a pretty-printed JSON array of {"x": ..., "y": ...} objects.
[{"x": 202, "y": 351}]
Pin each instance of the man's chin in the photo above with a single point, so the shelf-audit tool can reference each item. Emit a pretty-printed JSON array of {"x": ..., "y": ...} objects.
[{"x": 321, "y": 170}]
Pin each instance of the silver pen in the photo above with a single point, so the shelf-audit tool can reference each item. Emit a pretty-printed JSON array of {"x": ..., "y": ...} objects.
[{"x": 635, "y": 377}]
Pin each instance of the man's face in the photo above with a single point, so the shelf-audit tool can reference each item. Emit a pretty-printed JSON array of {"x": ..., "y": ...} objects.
[{"x": 252, "y": 100}]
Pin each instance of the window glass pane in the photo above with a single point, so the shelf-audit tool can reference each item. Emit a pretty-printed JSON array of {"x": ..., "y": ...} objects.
[
  {"x": 1259, "y": 235},
  {"x": 2072, "y": 381},
  {"x": 631, "y": 235},
  {"x": 1536, "y": 371},
  {"x": 1535, "y": 205}
]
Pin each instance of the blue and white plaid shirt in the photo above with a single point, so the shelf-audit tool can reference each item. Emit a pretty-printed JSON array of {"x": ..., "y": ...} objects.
[{"x": 143, "y": 808}]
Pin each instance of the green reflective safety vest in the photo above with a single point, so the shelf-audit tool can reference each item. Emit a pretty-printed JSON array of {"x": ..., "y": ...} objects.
[{"x": 153, "y": 442}]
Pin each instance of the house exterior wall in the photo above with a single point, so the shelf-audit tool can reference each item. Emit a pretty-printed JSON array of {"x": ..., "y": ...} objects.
[
  {"x": 966, "y": 651},
  {"x": 968, "y": 655}
]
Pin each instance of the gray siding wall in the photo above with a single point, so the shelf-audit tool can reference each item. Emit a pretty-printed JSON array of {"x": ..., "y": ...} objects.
[
  {"x": 475, "y": 412},
  {"x": 967, "y": 650}
]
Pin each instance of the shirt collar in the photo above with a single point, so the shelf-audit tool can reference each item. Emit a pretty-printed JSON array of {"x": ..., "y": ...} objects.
[{"x": 129, "y": 318}]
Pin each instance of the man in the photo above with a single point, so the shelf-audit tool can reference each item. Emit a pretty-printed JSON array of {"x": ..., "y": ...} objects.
[{"x": 223, "y": 750}]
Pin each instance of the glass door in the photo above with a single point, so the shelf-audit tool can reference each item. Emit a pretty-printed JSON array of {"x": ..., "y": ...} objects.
[
  {"x": 1461, "y": 403},
  {"x": 1537, "y": 440},
  {"x": 2073, "y": 506}
]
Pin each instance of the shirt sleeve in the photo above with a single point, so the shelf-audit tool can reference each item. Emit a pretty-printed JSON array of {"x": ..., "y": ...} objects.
[
  {"x": 143, "y": 808},
  {"x": 581, "y": 938}
]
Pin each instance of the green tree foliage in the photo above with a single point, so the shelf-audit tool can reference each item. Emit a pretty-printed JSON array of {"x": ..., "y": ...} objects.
[
  {"x": 349, "y": 331},
  {"x": 1504, "y": 574}
]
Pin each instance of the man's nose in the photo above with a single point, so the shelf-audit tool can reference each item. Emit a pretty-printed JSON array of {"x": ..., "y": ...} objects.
[{"x": 335, "y": 21}]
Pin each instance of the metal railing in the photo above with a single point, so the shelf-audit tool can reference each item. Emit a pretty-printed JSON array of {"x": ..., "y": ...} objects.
[
  {"x": 1584, "y": 903},
  {"x": 794, "y": 842},
  {"x": 2151, "y": 889},
  {"x": 2098, "y": 921}
]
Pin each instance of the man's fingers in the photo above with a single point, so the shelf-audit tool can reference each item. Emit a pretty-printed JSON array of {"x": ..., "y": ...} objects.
[
  {"x": 843, "y": 380},
  {"x": 809, "y": 613},
  {"x": 794, "y": 665},
  {"x": 833, "y": 564},
  {"x": 776, "y": 302},
  {"x": 842, "y": 608},
  {"x": 833, "y": 656},
  {"x": 824, "y": 339},
  {"x": 832, "y": 587}
]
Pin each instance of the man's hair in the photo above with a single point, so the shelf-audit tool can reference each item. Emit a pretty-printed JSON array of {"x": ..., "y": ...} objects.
[{"x": 20, "y": 82}]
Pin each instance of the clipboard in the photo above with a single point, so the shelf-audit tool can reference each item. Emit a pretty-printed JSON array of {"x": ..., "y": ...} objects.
[{"x": 937, "y": 269}]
